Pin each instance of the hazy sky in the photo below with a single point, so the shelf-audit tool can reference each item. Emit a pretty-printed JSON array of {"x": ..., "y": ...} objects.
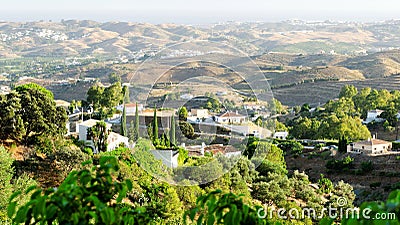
[{"x": 200, "y": 11}]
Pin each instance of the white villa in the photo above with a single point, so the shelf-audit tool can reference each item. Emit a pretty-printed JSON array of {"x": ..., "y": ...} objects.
[
  {"x": 130, "y": 108},
  {"x": 370, "y": 147},
  {"x": 114, "y": 140},
  {"x": 198, "y": 115},
  {"x": 373, "y": 115},
  {"x": 230, "y": 118},
  {"x": 281, "y": 135}
]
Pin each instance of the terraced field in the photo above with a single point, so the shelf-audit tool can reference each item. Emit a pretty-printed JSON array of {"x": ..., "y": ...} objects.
[{"x": 320, "y": 92}]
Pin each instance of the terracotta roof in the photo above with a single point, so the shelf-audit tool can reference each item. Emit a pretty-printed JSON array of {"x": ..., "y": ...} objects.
[
  {"x": 372, "y": 142},
  {"x": 230, "y": 114},
  {"x": 133, "y": 105}
]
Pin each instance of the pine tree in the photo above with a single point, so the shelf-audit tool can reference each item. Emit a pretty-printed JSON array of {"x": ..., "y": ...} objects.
[
  {"x": 123, "y": 122},
  {"x": 136, "y": 134},
  {"x": 172, "y": 132}
]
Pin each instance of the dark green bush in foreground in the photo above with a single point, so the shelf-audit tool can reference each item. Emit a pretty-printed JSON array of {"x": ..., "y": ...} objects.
[{"x": 85, "y": 197}]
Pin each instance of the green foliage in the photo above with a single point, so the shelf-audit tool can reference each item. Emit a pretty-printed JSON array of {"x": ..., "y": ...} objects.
[
  {"x": 105, "y": 99},
  {"x": 267, "y": 166},
  {"x": 186, "y": 129},
  {"x": 6, "y": 173},
  {"x": 8, "y": 185},
  {"x": 390, "y": 115},
  {"x": 292, "y": 147},
  {"x": 11, "y": 123},
  {"x": 325, "y": 185},
  {"x": 155, "y": 127},
  {"x": 396, "y": 145},
  {"x": 213, "y": 104},
  {"x": 200, "y": 169},
  {"x": 348, "y": 91},
  {"x": 114, "y": 78},
  {"x": 273, "y": 189},
  {"x": 173, "y": 132},
  {"x": 36, "y": 87},
  {"x": 218, "y": 208},
  {"x": 30, "y": 113},
  {"x": 329, "y": 126},
  {"x": 188, "y": 193},
  {"x": 99, "y": 136},
  {"x": 94, "y": 95},
  {"x": 183, "y": 114},
  {"x": 183, "y": 155},
  {"x": 342, "y": 145},
  {"x": 335, "y": 165},
  {"x": 85, "y": 197},
  {"x": 367, "y": 166},
  {"x": 146, "y": 160},
  {"x": 277, "y": 107},
  {"x": 136, "y": 133},
  {"x": 123, "y": 122}
]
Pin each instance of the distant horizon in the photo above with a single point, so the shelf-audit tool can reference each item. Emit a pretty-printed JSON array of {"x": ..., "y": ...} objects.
[
  {"x": 204, "y": 12},
  {"x": 184, "y": 20}
]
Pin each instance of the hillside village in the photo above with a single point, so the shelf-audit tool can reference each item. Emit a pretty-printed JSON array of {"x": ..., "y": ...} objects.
[{"x": 87, "y": 134}]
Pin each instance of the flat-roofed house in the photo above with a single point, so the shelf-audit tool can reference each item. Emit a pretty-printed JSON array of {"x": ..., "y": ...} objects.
[
  {"x": 370, "y": 147},
  {"x": 114, "y": 140}
]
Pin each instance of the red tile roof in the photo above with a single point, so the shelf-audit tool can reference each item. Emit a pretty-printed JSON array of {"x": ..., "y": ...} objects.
[{"x": 230, "y": 114}]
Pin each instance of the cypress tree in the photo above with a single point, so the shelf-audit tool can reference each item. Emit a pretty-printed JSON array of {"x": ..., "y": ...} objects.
[
  {"x": 123, "y": 122},
  {"x": 172, "y": 132},
  {"x": 136, "y": 133},
  {"x": 155, "y": 126},
  {"x": 126, "y": 94}
]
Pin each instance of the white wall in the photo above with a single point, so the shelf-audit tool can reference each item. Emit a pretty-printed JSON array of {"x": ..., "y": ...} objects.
[{"x": 167, "y": 158}]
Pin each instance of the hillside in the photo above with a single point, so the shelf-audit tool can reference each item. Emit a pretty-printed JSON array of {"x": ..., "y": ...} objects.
[
  {"x": 83, "y": 38},
  {"x": 304, "y": 62}
]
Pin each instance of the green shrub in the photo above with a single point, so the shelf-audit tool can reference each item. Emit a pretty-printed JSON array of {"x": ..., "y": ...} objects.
[
  {"x": 219, "y": 208},
  {"x": 88, "y": 196}
]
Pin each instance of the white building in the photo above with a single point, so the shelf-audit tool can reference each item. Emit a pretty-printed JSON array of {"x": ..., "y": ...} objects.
[
  {"x": 114, "y": 140},
  {"x": 281, "y": 135},
  {"x": 230, "y": 118},
  {"x": 168, "y": 157},
  {"x": 186, "y": 96},
  {"x": 199, "y": 113},
  {"x": 369, "y": 147},
  {"x": 4, "y": 89},
  {"x": 130, "y": 108},
  {"x": 373, "y": 115}
]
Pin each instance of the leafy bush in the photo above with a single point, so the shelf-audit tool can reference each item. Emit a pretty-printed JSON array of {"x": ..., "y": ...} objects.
[
  {"x": 85, "y": 196},
  {"x": 218, "y": 208},
  {"x": 367, "y": 166},
  {"x": 183, "y": 155},
  {"x": 340, "y": 165}
]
